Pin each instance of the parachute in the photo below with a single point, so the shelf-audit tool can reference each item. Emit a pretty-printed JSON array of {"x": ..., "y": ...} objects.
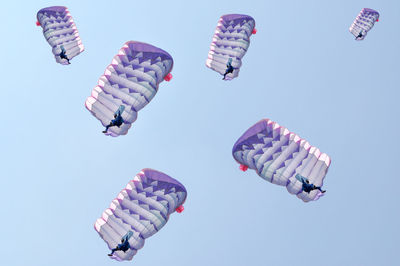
[
  {"x": 131, "y": 80},
  {"x": 60, "y": 32},
  {"x": 230, "y": 41},
  {"x": 142, "y": 207},
  {"x": 363, "y": 23},
  {"x": 278, "y": 155}
]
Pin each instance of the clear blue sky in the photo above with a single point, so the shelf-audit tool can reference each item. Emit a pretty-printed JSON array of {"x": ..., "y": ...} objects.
[{"x": 303, "y": 70}]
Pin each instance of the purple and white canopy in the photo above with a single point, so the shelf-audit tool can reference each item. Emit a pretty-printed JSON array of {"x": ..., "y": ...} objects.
[
  {"x": 231, "y": 40},
  {"x": 363, "y": 23},
  {"x": 59, "y": 30},
  {"x": 142, "y": 207},
  {"x": 131, "y": 80},
  {"x": 277, "y": 155}
]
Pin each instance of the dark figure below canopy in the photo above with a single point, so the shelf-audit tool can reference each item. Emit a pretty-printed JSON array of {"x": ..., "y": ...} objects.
[
  {"x": 63, "y": 54},
  {"x": 229, "y": 68},
  {"x": 117, "y": 121},
  {"x": 307, "y": 187},
  {"x": 124, "y": 246}
]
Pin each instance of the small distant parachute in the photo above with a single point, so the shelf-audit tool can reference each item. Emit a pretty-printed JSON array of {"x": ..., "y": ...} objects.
[
  {"x": 60, "y": 32},
  {"x": 278, "y": 155},
  {"x": 130, "y": 80},
  {"x": 140, "y": 210},
  {"x": 363, "y": 23},
  {"x": 230, "y": 42}
]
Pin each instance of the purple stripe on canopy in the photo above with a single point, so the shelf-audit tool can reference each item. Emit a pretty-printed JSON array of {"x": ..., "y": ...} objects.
[
  {"x": 165, "y": 179},
  {"x": 51, "y": 10},
  {"x": 236, "y": 19}
]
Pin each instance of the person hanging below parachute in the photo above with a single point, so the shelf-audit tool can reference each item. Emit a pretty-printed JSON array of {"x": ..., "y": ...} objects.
[
  {"x": 124, "y": 246},
  {"x": 229, "y": 68},
  {"x": 117, "y": 121},
  {"x": 306, "y": 186},
  {"x": 360, "y": 35},
  {"x": 63, "y": 54}
]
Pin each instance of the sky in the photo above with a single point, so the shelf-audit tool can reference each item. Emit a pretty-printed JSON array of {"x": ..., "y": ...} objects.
[{"x": 303, "y": 70}]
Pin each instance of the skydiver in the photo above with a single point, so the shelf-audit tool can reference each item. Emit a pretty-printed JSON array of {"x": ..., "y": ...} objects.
[
  {"x": 360, "y": 35},
  {"x": 117, "y": 121},
  {"x": 124, "y": 246},
  {"x": 63, "y": 54},
  {"x": 306, "y": 186},
  {"x": 229, "y": 68}
]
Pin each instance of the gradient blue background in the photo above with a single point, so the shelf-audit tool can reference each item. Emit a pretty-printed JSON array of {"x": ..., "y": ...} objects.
[{"x": 303, "y": 69}]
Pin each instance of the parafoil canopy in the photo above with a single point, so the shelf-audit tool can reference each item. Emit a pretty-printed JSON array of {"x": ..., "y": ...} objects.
[
  {"x": 364, "y": 23},
  {"x": 277, "y": 155},
  {"x": 60, "y": 31},
  {"x": 231, "y": 40},
  {"x": 131, "y": 80},
  {"x": 143, "y": 207}
]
